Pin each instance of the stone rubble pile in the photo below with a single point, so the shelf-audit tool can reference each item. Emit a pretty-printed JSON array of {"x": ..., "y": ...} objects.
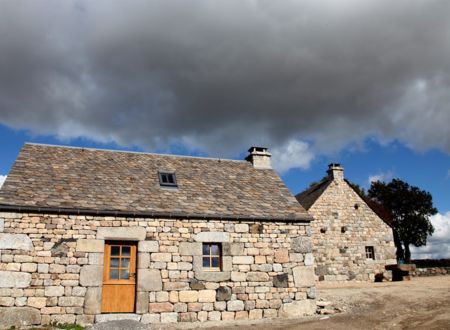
[{"x": 327, "y": 308}]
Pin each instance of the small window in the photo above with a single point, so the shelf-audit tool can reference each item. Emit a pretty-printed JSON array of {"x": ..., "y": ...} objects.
[
  {"x": 167, "y": 179},
  {"x": 120, "y": 261},
  {"x": 370, "y": 253},
  {"x": 212, "y": 257}
]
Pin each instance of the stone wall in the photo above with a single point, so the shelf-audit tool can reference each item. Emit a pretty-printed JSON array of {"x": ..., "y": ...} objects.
[
  {"x": 52, "y": 265},
  {"x": 343, "y": 226},
  {"x": 431, "y": 271}
]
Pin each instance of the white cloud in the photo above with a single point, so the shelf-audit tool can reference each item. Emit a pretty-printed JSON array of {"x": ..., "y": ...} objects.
[
  {"x": 2, "y": 179},
  {"x": 383, "y": 177},
  {"x": 293, "y": 154},
  {"x": 438, "y": 245}
]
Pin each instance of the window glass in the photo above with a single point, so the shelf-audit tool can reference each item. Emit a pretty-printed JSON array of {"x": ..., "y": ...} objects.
[
  {"x": 115, "y": 250},
  {"x": 215, "y": 250},
  {"x": 167, "y": 179},
  {"x": 125, "y": 263},
  {"x": 126, "y": 250},
  {"x": 215, "y": 262},
  {"x": 370, "y": 252},
  {"x": 125, "y": 275},
  {"x": 212, "y": 255},
  {"x": 120, "y": 262},
  {"x": 114, "y": 262},
  {"x": 114, "y": 274}
]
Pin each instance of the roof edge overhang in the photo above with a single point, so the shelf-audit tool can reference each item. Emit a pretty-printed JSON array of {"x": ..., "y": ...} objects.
[{"x": 147, "y": 214}]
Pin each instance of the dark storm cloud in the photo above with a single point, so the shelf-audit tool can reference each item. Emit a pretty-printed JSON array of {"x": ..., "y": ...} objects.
[{"x": 221, "y": 75}]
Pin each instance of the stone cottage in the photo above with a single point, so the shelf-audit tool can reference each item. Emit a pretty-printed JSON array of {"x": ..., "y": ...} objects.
[
  {"x": 350, "y": 241},
  {"x": 94, "y": 235}
]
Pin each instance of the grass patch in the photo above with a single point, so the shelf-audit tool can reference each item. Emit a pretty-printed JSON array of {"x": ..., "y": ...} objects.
[{"x": 62, "y": 326}]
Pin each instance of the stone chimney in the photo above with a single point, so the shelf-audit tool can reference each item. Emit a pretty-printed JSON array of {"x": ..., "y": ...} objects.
[
  {"x": 335, "y": 172},
  {"x": 259, "y": 157}
]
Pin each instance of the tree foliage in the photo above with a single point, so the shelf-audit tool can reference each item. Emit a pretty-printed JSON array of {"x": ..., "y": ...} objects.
[{"x": 410, "y": 208}]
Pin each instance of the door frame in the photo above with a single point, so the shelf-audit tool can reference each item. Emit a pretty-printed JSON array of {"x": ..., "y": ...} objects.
[{"x": 106, "y": 281}]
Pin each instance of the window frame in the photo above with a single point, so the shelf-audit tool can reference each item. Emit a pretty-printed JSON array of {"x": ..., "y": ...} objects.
[
  {"x": 370, "y": 252},
  {"x": 108, "y": 256},
  {"x": 161, "y": 175},
  {"x": 211, "y": 256}
]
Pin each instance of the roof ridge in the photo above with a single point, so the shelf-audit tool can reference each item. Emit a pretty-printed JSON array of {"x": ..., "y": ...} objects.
[
  {"x": 313, "y": 188},
  {"x": 135, "y": 152}
]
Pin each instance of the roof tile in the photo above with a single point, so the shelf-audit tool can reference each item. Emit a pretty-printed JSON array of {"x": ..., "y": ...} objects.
[{"x": 102, "y": 180}]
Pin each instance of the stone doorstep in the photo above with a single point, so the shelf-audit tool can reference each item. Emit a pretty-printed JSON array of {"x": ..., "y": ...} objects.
[{"x": 100, "y": 318}]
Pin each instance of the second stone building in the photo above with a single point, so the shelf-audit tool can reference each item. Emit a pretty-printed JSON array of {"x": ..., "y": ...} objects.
[{"x": 350, "y": 241}]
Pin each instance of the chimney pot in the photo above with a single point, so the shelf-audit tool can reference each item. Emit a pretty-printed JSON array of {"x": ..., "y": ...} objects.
[
  {"x": 259, "y": 157},
  {"x": 335, "y": 171}
]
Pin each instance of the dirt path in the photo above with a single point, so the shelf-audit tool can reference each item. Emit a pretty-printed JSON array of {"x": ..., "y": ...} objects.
[{"x": 423, "y": 303}]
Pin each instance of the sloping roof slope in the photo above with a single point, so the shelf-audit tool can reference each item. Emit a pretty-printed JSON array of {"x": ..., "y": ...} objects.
[
  {"x": 101, "y": 180},
  {"x": 308, "y": 197}
]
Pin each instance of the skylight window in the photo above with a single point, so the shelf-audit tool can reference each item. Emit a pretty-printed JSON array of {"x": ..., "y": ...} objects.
[{"x": 167, "y": 179}]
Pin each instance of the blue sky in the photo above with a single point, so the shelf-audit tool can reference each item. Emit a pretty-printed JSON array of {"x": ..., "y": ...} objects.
[{"x": 355, "y": 82}]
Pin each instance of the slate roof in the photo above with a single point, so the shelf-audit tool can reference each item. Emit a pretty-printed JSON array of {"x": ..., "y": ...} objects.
[
  {"x": 308, "y": 197},
  {"x": 104, "y": 181}
]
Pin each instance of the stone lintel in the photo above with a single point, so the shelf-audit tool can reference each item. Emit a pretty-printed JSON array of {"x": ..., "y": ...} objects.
[
  {"x": 212, "y": 237},
  {"x": 122, "y": 233}
]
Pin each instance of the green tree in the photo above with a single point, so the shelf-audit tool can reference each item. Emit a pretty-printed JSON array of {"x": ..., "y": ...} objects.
[{"x": 410, "y": 208}]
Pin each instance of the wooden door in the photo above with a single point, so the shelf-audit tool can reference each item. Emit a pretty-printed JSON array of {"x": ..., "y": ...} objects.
[{"x": 119, "y": 277}]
